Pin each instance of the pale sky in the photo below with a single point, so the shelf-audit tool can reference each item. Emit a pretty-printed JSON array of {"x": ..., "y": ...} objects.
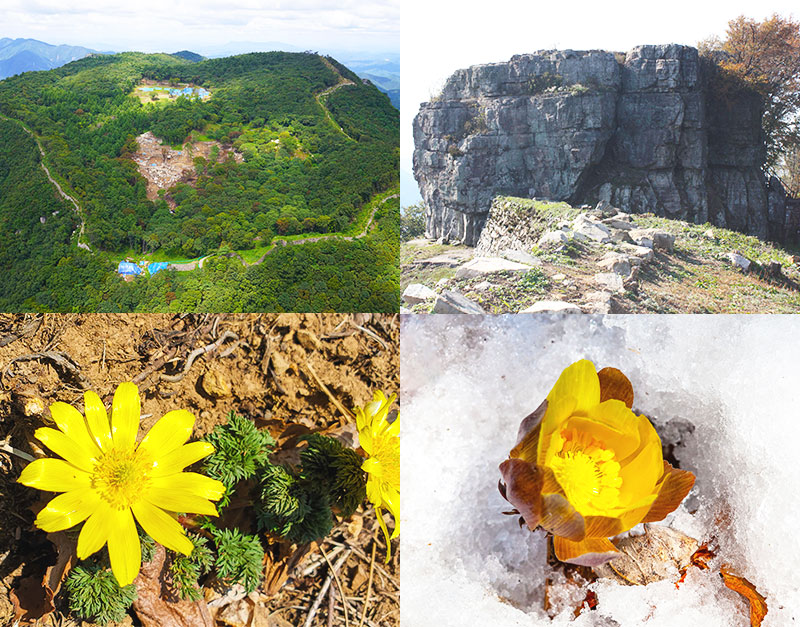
[
  {"x": 172, "y": 25},
  {"x": 439, "y": 37}
]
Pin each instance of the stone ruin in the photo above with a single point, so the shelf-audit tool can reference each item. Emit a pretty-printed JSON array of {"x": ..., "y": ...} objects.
[{"x": 647, "y": 131}]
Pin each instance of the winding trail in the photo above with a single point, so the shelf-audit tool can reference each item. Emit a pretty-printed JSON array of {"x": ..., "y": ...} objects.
[
  {"x": 327, "y": 92},
  {"x": 55, "y": 183},
  {"x": 192, "y": 265}
]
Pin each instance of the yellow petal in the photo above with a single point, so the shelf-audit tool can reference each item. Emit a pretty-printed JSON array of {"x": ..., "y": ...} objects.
[
  {"x": 382, "y": 523},
  {"x": 191, "y": 483},
  {"x": 185, "y": 492},
  {"x": 579, "y": 381},
  {"x": 616, "y": 416},
  {"x": 603, "y": 526},
  {"x": 589, "y": 552},
  {"x": 559, "y": 517},
  {"x": 68, "y": 509},
  {"x": 558, "y": 410},
  {"x": 169, "y": 433},
  {"x": 125, "y": 414},
  {"x": 640, "y": 474},
  {"x": 97, "y": 418},
  {"x": 66, "y": 447},
  {"x": 162, "y": 527},
  {"x": 675, "y": 485},
  {"x": 94, "y": 533},
  {"x": 70, "y": 421},
  {"x": 54, "y": 475},
  {"x": 124, "y": 550},
  {"x": 180, "y": 458}
]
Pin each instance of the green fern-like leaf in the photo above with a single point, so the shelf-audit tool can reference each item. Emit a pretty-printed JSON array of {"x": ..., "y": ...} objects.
[
  {"x": 240, "y": 558},
  {"x": 240, "y": 449},
  {"x": 186, "y": 569},
  {"x": 95, "y": 595}
]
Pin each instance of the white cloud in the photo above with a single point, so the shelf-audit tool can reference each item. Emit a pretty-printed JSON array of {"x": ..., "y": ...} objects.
[{"x": 156, "y": 25}]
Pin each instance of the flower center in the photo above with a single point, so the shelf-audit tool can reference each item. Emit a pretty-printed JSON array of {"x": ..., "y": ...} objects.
[
  {"x": 588, "y": 473},
  {"x": 385, "y": 460},
  {"x": 120, "y": 477}
]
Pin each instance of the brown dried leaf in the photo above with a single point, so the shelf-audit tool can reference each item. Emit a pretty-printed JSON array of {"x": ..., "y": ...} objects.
[
  {"x": 155, "y": 604},
  {"x": 615, "y": 385},
  {"x": 737, "y": 583},
  {"x": 658, "y": 554},
  {"x": 33, "y": 597},
  {"x": 280, "y": 560}
]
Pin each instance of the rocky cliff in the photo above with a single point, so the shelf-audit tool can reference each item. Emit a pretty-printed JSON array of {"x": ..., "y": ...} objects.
[{"x": 655, "y": 130}]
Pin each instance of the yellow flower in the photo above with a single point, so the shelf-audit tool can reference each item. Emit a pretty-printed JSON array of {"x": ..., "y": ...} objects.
[
  {"x": 107, "y": 479},
  {"x": 586, "y": 468},
  {"x": 381, "y": 441}
]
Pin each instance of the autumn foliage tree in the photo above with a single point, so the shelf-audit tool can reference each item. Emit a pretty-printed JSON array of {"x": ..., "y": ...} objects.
[{"x": 766, "y": 56}]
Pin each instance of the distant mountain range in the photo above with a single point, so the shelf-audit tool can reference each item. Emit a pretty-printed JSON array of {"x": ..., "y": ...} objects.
[{"x": 26, "y": 55}]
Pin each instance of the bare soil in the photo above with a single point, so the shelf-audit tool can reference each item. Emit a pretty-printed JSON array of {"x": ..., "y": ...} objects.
[
  {"x": 280, "y": 370},
  {"x": 162, "y": 167}
]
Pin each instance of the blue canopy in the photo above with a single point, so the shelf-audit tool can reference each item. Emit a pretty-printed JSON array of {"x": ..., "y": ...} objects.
[
  {"x": 126, "y": 267},
  {"x": 156, "y": 266}
]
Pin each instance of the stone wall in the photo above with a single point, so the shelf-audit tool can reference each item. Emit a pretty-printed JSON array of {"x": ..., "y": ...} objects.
[{"x": 648, "y": 132}]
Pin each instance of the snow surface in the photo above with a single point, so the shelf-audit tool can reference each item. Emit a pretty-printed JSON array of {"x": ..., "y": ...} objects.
[{"x": 467, "y": 381}]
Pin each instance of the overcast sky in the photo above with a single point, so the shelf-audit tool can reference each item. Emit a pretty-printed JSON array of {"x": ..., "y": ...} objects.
[
  {"x": 439, "y": 37},
  {"x": 172, "y": 25}
]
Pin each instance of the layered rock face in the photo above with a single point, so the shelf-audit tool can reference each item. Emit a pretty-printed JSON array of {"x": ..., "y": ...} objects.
[{"x": 648, "y": 133}]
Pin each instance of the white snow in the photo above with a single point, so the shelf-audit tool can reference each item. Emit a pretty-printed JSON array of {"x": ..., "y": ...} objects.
[{"x": 467, "y": 381}]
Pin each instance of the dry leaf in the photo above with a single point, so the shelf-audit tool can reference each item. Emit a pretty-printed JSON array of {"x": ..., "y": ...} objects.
[
  {"x": 659, "y": 554},
  {"x": 152, "y": 605},
  {"x": 280, "y": 559},
  {"x": 33, "y": 598},
  {"x": 737, "y": 583}
]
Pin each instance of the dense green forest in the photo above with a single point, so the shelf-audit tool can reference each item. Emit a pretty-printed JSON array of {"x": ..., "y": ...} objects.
[{"x": 302, "y": 172}]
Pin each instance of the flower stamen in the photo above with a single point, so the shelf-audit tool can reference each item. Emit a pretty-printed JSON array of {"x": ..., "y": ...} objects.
[{"x": 120, "y": 477}]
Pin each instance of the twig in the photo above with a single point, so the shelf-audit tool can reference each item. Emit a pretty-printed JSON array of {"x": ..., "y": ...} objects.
[
  {"x": 369, "y": 583},
  {"x": 347, "y": 414},
  {"x": 5, "y": 446},
  {"x": 323, "y": 590},
  {"x": 196, "y": 353},
  {"x": 63, "y": 364},
  {"x": 371, "y": 334},
  {"x": 338, "y": 583}
]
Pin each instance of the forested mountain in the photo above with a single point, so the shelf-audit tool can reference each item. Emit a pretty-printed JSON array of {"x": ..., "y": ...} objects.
[
  {"x": 282, "y": 146},
  {"x": 26, "y": 55}
]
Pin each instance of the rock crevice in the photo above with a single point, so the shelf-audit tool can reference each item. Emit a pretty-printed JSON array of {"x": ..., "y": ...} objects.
[{"x": 649, "y": 131}]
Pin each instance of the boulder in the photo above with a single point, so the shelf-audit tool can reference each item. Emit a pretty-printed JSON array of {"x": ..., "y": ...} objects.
[
  {"x": 553, "y": 240},
  {"x": 610, "y": 281},
  {"x": 584, "y": 227},
  {"x": 653, "y": 238},
  {"x": 738, "y": 261},
  {"x": 521, "y": 257},
  {"x": 616, "y": 262},
  {"x": 599, "y": 302},
  {"x": 488, "y": 265},
  {"x": 641, "y": 253},
  {"x": 417, "y": 293},
  {"x": 552, "y": 306},
  {"x": 450, "y": 302}
]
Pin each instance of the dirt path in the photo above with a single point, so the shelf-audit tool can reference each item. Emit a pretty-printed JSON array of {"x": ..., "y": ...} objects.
[
  {"x": 324, "y": 94},
  {"x": 307, "y": 240},
  {"x": 63, "y": 194}
]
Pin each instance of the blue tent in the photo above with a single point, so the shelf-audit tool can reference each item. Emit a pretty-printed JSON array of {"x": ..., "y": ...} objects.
[
  {"x": 126, "y": 267},
  {"x": 156, "y": 266}
]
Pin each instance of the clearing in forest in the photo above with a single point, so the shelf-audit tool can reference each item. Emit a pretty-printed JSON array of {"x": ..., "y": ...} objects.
[
  {"x": 162, "y": 167},
  {"x": 154, "y": 91}
]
